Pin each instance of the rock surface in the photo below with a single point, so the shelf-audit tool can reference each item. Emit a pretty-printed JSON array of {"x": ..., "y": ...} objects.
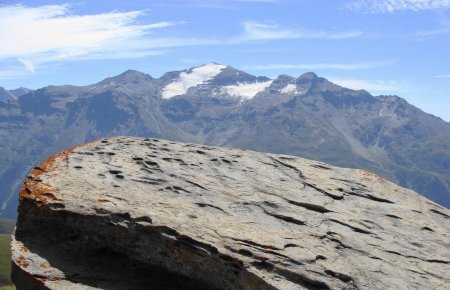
[{"x": 135, "y": 213}]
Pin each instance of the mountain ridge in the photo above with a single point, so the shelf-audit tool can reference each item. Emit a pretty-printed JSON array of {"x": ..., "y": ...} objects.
[{"x": 306, "y": 116}]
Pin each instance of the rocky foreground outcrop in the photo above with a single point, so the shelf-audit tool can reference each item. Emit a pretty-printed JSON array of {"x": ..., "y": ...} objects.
[{"x": 135, "y": 213}]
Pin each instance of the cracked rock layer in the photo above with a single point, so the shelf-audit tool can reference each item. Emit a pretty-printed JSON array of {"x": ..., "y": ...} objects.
[{"x": 135, "y": 213}]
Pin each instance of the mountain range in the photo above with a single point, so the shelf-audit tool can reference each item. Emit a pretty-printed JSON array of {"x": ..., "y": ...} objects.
[
  {"x": 12, "y": 94},
  {"x": 219, "y": 105}
]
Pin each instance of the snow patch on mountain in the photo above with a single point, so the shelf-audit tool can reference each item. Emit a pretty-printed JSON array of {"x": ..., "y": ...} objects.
[
  {"x": 245, "y": 90},
  {"x": 186, "y": 80},
  {"x": 289, "y": 89}
]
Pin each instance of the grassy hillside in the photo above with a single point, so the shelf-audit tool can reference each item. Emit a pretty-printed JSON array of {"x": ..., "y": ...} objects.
[{"x": 6, "y": 228}]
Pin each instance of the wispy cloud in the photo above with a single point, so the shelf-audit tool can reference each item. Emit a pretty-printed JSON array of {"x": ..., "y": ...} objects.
[
  {"x": 28, "y": 64},
  {"x": 33, "y": 37},
  {"x": 438, "y": 31},
  {"x": 268, "y": 31},
  {"x": 391, "y": 6},
  {"x": 38, "y": 35},
  {"x": 444, "y": 29},
  {"x": 442, "y": 76},
  {"x": 373, "y": 86},
  {"x": 319, "y": 66}
]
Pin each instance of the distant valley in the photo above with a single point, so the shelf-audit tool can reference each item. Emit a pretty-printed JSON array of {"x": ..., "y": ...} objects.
[{"x": 219, "y": 105}]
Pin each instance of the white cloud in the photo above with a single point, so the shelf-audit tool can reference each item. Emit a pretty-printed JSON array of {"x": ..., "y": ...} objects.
[
  {"x": 37, "y": 35},
  {"x": 269, "y": 31},
  {"x": 28, "y": 64},
  {"x": 318, "y": 66},
  {"x": 33, "y": 37},
  {"x": 442, "y": 76},
  {"x": 376, "y": 86},
  {"x": 390, "y": 6}
]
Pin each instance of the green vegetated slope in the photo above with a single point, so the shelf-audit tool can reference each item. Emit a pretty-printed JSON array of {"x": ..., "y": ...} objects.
[{"x": 6, "y": 228}]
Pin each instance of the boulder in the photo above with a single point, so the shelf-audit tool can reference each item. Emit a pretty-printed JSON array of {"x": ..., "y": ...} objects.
[{"x": 139, "y": 213}]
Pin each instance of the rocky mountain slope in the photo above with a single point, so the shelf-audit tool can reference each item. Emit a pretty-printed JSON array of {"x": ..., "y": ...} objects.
[
  {"x": 169, "y": 215},
  {"x": 5, "y": 94},
  {"x": 12, "y": 94},
  {"x": 20, "y": 92},
  {"x": 219, "y": 105}
]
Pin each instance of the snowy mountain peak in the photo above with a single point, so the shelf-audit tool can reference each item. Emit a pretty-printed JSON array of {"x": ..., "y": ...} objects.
[
  {"x": 191, "y": 78},
  {"x": 212, "y": 67},
  {"x": 247, "y": 90},
  {"x": 289, "y": 89}
]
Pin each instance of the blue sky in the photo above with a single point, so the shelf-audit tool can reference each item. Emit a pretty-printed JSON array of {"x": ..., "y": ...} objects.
[{"x": 397, "y": 47}]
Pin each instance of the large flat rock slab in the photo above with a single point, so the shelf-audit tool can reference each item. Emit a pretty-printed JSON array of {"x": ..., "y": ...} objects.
[{"x": 135, "y": 213}]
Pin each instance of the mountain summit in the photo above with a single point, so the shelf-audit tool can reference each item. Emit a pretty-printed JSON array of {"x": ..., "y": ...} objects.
[
  {"x": 216, "y": 104},
  {"x": 6, "y": 95}
]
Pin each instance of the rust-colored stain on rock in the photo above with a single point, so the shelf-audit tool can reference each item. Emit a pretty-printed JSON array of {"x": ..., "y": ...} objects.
[
  {"x": 22, "y": 262},
  {"x": 34, "y": 188}
]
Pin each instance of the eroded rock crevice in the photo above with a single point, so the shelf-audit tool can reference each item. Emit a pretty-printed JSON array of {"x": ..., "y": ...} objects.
[{"x": 87, "y": 250}]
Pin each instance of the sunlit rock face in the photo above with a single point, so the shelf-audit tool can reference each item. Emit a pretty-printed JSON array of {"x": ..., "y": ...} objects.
[{"x": 140, "y": 213}]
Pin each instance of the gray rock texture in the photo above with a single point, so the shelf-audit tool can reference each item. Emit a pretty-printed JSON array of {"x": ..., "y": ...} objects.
[{"x": 135, "y": 213}]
